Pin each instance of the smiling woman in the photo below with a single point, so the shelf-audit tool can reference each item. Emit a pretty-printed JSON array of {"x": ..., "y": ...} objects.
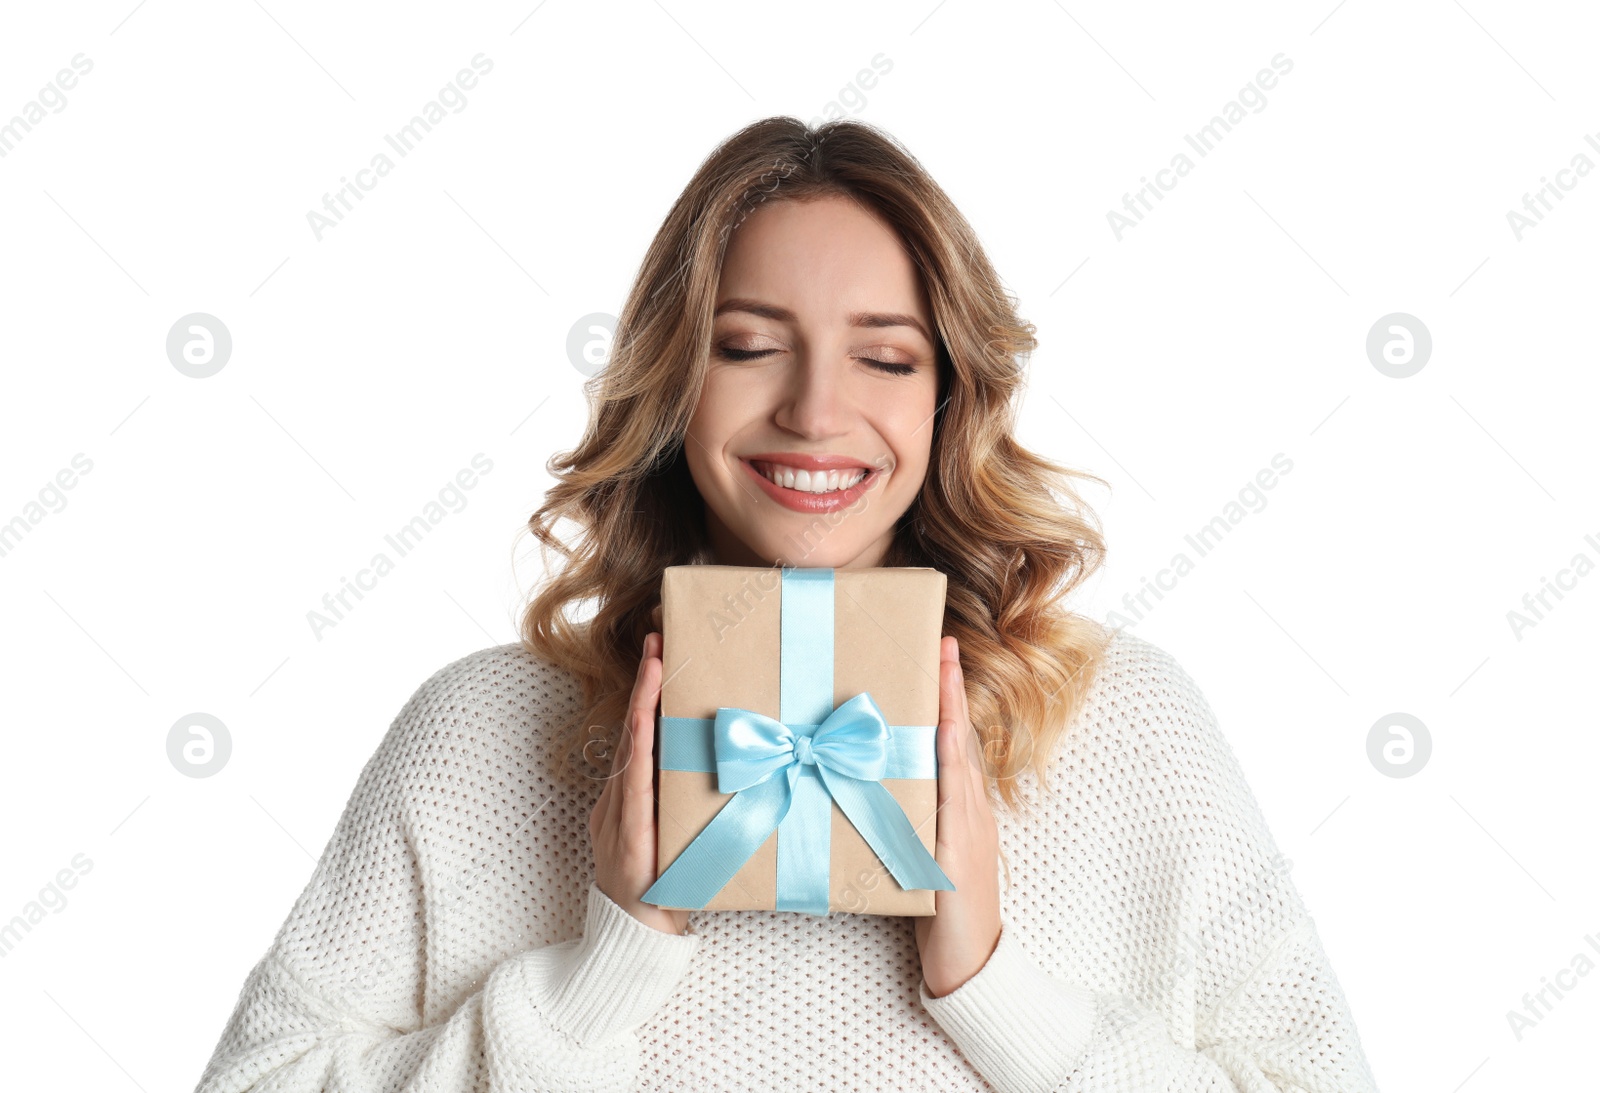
[{"x": 816, "y": 367}]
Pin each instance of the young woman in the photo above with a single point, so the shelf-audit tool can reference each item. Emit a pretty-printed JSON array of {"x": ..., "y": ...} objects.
[{"x": 816, "y": 367}]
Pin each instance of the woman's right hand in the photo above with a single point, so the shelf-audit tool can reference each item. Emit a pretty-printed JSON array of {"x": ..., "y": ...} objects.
[{"x": 622, "y": 825}]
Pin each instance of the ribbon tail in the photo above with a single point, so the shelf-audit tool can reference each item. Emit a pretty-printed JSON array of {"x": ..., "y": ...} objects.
[
  {"x": 804, "y": 844},
  {"x": 709, "y": 862},
  {"x": 883, "y": 824}
]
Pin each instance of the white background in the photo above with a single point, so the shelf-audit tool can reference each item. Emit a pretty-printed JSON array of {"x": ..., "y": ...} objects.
[{"x": 370, "y": 366}]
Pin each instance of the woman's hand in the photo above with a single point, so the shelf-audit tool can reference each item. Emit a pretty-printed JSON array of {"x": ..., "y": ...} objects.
[
  {"x": 622, "y": 826},
  {"x": 958, "y": 940}
]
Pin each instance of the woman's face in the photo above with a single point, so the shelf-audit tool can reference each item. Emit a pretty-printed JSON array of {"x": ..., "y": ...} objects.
[{"x": 822, "y": 366}]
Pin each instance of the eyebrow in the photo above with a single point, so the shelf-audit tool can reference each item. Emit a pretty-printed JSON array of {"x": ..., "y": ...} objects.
[{"x": 874, "y": 319}]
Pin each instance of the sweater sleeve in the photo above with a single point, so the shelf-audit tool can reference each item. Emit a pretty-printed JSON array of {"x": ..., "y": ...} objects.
[
  {"x": 1285, "y": 1027},
  {"x": 338, "y": 1002},
  {"x": 1249, "y": 1001}
]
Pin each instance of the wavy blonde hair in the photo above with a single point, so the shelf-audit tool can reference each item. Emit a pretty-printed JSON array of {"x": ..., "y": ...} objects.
[{"x": 1003, "y": 524}]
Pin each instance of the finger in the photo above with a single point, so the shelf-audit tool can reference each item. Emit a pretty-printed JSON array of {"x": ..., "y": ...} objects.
[
  {"x": 617, "y": 751},
  {"x": 961, "y": 679},
  {"x": 620, "y": 752},
  {"x": 597, "y": 814},
  {"x": 621, "y": 757},
  {"x": 603, "y": 806},
  {"x": 954, "y": 780},
  {"x": 953, "y": 702},
  {"x": 644, "y": 692},
  {"x": 613, "y": 798},
  {"x": 974, "y": 743},
  {"x": 638, "y": 799},
  {"x": 949, "y": 710}
]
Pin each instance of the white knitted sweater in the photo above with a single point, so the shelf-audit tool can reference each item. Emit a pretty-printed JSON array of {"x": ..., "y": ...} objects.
[{"x": 451, "y": 937}]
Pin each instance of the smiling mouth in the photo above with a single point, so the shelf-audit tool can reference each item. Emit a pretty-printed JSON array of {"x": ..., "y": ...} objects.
[{"x": 812, "y": 482}]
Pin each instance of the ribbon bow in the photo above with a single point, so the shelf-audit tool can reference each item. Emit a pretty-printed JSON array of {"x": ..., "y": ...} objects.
[
  {"x": 853, "y": 742},
  {"x": 841, "y": 759}
]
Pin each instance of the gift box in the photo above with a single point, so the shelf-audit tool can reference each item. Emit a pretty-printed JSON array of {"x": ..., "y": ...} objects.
[{"x": 796, "y": 767}]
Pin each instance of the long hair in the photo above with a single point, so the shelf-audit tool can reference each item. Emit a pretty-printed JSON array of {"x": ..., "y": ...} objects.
[{"x": 1003, "y": 524}]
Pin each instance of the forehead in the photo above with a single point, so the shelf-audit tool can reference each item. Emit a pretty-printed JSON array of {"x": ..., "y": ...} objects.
[{"x": 821, "y": 259}]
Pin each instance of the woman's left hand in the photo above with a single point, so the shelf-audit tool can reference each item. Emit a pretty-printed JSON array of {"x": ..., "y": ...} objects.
[{"x": 957, "y": 941}]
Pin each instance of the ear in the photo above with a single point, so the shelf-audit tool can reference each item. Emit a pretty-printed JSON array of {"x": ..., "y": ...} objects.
[{"x": 655, "y": 618}]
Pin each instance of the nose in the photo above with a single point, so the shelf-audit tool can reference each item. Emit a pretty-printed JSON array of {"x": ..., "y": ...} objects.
[{"x": 814, "y": 401}]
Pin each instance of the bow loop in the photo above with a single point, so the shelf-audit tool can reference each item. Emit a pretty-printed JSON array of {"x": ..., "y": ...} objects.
[{"x": 854, "y": 739}]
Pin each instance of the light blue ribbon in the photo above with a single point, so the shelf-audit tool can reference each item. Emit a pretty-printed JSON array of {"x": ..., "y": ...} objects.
[{"x": 824, "y": 755}]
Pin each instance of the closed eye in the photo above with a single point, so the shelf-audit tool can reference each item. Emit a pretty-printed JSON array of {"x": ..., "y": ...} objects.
[{"x": 893, "y": 368}]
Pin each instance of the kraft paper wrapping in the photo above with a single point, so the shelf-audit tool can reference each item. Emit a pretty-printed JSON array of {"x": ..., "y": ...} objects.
[{"x": 720, "y": 628}]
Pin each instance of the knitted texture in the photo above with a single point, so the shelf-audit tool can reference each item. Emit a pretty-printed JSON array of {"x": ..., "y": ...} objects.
[{"x": 451, "y": 937}]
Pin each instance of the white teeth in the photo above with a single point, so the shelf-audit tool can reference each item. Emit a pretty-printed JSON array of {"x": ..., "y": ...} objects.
[{"x": 813, "y": 481}]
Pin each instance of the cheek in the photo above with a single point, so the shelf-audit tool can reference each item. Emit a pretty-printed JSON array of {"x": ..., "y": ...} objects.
[
  {"x": 911, "y": 436},
  {"x": 706, "y": 424},
  {"x": 724, "y": 407}
]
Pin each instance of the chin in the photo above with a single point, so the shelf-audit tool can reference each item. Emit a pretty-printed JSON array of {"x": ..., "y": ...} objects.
[
  {"x": 770, "y": 548},
  {"x": 826, "y": 555}
]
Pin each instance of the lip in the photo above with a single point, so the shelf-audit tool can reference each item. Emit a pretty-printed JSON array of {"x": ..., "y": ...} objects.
[
  {"x": 800, "y": 501},
  {"x": 802, "y": 462}
]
